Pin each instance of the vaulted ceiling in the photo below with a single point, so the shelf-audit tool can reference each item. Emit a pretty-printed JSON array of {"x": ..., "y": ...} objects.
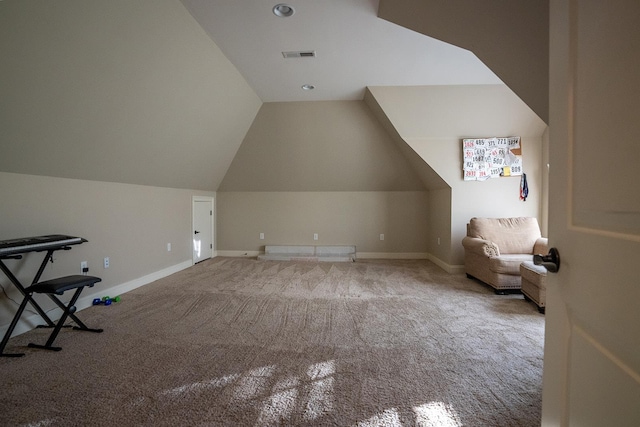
[
  {"x": 511, "y": 37},
  {"x": 417, "y": 42},
  {"x": 354, "y": 49},
  {"x": 163, "y": 92}
]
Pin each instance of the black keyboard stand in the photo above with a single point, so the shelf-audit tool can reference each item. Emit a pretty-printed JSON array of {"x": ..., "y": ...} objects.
[
  {"x": 13, "y": 251},
  {"x": 21, "y": 288}
]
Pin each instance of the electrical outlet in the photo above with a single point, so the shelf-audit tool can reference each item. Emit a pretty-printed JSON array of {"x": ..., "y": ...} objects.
[
  {"x": 106, "y": 262},
  {"x": 261, "y": 236},
  {"x": 381, "y": 236},
  {"x": 84, "y": 267},
  {"x": 315, "y": 236},
  {"x": 168, "y": 247},
  {"x": 438, "y": 241}
]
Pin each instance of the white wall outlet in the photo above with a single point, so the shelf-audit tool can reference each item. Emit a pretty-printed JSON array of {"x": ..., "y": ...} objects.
[
  {"x": 261, "y": 236},
  {"x": 106, "y": 262},
  {"x": 168, "y": 247},
  {"x": 381, "y": 236},
  {"x": 315, "y": 236},
  {"x": 84, "y": 267},
  {"x": 438, "y": 241}
]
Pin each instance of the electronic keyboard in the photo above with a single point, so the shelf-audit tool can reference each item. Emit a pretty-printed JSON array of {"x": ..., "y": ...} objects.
[{"x": 37, "y": 244}]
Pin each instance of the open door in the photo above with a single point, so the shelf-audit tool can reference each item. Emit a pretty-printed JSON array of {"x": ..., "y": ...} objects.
[
  {"x": 202, "y": 230},
  {"x": 592, "y": 343}
]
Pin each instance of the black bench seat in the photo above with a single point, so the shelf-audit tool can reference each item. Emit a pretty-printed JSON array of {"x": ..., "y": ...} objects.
[
  {"x": 52, "y": 288},
  {"x": 62, "y": 284}
]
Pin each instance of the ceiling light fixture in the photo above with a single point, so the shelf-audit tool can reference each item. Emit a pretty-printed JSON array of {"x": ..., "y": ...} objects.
[
  {"x": 308, "y": 87},
  {"x": 283, "y": 10}
]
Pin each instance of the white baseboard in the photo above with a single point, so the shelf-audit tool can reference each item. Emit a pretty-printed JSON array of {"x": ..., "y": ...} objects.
[
  {"x": 87, "y": 300},
  {"x": 449, "y": 268},
  {"x": 240, "y": 254},
  {"x": 392, "y": 255},
  {"x": 27, "y": 323},
  {"x": 363, "y": 255}
]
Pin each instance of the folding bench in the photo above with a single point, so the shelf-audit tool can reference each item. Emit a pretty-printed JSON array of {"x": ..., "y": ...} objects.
[{"x": 51, "y": 288}]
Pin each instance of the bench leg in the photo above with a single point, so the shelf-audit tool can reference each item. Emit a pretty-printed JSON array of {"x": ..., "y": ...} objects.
[
  {"x": 68, "y": 311},
  {"x": 81, "y": 326}
]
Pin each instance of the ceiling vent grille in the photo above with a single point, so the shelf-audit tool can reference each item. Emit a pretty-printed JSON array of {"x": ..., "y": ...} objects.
[{"x": 300, "y": 54}]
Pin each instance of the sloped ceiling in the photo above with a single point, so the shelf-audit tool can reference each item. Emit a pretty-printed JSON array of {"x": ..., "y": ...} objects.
[
  {"x": 510, "y": 37},
  {"x": 354, "y": 48},
  {"x": 117, "y": 91},
  {"x": 434, "y": 119},
  {"x": 137, "y": 92},
  {"x": 319, "y": 146},
  {"x": 429, "y": 177}
]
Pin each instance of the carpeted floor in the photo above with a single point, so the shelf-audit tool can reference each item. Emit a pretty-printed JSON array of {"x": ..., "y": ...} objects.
[{"x": 236, "y": 341}]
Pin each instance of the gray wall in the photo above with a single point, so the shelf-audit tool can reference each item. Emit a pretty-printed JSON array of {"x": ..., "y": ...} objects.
[
  {"x": 117, "y": 91},
  {"x": 512, "y": 39},
  {"x": 319, "y": 146},
  {"x": 98, "y": 92},
  {"x": 433, "y": 121},
  {"x": 130, "y": 224},
  {"x": 315, "y": 149},
  {"x": 322, "y": 167},
  {"x": 439, "y": 242},
  {"x": 339, "y": 218}
]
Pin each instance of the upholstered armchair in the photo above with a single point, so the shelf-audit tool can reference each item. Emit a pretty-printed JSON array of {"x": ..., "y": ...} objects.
[{"x": 494, "y": 248}]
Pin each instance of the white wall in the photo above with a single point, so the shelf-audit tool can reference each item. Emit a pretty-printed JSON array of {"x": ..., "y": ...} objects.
[
  {"x": 130, "y": 224},
  {"x": 433, "y": 120},
  {"x": 498, "y": 197},
  {"x": 117, "y": 91},
  {"x": 322, "y": 167},
  {"x": 319, "y": 146},
  {"x": 510, "y": 37},
  {"x": 339, "y": 218},
  {"x": 440, "y": 225}
]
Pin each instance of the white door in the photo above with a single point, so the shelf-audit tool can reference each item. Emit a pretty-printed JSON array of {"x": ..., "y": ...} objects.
[
  {"x": 592, "y": 343},
  {"x": 202, "y": 228}
]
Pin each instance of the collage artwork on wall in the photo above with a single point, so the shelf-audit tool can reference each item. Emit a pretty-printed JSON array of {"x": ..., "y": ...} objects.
[{"x": 485, "y": 158}]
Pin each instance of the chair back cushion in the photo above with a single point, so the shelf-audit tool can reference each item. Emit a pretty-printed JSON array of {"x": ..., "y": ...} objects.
[{"x": 511, "y": 235}]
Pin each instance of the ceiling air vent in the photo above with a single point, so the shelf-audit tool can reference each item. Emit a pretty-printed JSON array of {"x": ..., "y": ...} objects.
[{"x": 300, "y": 54}]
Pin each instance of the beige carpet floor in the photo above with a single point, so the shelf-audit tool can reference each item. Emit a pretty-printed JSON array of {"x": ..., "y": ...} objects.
[{"x": 242, "y": 342}]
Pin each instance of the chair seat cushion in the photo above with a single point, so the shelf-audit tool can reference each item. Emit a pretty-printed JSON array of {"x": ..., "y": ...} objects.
[
  {"x": 508, "y": 264},
  {"x": 62, "y": 284},
  {"x": 535, "y": 274}
]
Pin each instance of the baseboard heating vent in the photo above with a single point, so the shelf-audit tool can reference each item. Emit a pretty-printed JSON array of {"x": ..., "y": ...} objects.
[{"x": 308, "y": 253}]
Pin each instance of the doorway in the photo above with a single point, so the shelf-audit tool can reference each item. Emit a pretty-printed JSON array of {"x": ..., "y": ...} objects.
[{"x": 202, "y": 228}]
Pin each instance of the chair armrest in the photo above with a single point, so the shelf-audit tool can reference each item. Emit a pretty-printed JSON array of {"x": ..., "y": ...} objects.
[
  {"x": 541, "y": 246},
  {"x": 480, "y": 246}
]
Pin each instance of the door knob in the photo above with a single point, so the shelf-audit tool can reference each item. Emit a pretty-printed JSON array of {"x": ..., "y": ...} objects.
[
  {"x": 550, "y": 261},
  {"x": 196, "y": 232}
]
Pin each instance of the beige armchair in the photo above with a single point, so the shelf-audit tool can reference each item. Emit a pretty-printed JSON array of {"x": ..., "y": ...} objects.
[{"x": 494, "y": 248}]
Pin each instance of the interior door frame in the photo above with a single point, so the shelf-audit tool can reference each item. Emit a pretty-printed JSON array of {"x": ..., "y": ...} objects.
[
  {"x": 211, "y": 200},
  {"x": 591, "y": 375}
]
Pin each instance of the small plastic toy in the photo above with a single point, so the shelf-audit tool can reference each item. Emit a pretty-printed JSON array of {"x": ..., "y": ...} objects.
[{"x": 105, "y": 300}]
